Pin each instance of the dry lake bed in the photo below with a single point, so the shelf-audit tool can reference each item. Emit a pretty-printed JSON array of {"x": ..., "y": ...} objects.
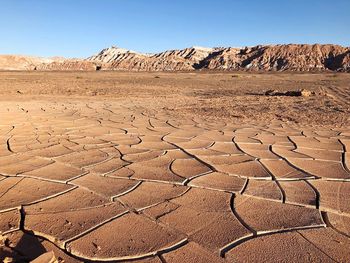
[{"x": 174, "y": 167}]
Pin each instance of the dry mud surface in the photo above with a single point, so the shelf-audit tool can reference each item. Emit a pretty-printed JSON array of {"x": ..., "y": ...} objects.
[{"x": 116, "y": 169}]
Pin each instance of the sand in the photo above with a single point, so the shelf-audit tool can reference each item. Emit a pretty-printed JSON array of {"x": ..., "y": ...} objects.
[{"x": 145, "y": 167}]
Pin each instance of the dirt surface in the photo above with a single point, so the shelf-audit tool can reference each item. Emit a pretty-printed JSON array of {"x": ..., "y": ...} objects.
[
  {"x": 136, "y": 167},
  {"x": 237, "y": 98}
]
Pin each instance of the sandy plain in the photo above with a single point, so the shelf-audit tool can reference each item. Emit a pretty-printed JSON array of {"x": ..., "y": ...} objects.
[{"x": 174, "y": 167}]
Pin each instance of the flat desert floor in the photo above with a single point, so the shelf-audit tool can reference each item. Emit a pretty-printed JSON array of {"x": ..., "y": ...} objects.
[{"x": 174, "y": 167}]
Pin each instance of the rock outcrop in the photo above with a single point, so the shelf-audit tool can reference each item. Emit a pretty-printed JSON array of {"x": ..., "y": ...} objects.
[{"x": 291, "y": 57}]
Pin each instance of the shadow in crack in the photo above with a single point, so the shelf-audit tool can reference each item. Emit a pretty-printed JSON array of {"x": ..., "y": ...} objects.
[{"x": 21, "y": 247}]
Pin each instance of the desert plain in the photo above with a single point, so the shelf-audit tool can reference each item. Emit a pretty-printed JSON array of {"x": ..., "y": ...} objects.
[{"x": 174, "y": 167}]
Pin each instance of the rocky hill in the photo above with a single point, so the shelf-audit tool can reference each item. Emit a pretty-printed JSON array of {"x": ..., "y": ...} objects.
[
  {"x": 290, "y": 57},
  {"x": 281, "y": 57},
  {"x": 115, "y": 58}
]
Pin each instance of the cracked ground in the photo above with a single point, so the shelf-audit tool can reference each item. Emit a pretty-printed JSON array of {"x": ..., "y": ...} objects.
[{"x": 118, "y": 181}]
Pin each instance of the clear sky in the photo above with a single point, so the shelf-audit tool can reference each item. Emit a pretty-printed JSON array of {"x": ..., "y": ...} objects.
[{"x": 80, "y": 28}]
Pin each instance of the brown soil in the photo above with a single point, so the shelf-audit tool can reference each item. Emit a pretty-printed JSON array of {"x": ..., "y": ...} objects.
[
  {"x": 193, "y": 167},
  {"x": 238, "y": 98}
]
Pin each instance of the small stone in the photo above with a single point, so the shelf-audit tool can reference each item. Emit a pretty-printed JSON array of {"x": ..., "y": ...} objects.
[{"x": 305, "y": 93}]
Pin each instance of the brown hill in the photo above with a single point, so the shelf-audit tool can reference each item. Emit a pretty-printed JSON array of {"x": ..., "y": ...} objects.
[
  {"x": 281, "y": 57},
  {"x": 17, "y": 62},
  {"x": 115, "y": 58},
  {"x": 291, "y": 57},
  {"x": 68, "y": 64}
]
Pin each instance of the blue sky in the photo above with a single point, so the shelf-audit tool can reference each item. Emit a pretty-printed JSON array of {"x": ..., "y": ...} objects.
[{"x": 79, "y": 28}]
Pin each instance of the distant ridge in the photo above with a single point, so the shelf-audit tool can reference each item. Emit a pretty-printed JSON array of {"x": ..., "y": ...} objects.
[{"x": 288, "y": 57}]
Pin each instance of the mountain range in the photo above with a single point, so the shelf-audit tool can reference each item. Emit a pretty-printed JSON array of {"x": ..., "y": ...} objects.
[{"x": 288, "y": 57}]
